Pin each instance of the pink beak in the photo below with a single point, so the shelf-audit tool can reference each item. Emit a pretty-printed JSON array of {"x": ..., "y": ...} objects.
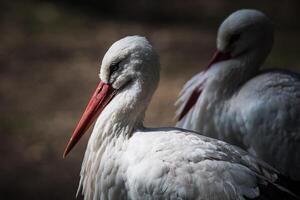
[
  {"x": 102, "y": 96},
  {"x": 217, "y": 57}
]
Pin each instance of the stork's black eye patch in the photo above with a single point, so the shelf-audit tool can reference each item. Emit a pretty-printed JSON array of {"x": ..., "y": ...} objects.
[
  {"x": 114, "y": 67},
  {"x": 234, "y": 38}
]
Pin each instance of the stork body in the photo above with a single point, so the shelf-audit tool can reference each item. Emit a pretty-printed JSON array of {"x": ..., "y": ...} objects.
[
  {"x": 168, "y": 163},
  {"x": 259, "y": 110},
  {"x": 125, "y": 160}
]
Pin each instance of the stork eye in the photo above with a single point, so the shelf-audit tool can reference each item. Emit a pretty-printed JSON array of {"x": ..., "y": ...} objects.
[
  {"x": 234, "y": 38},
  {"x": 114, "y": 67}
]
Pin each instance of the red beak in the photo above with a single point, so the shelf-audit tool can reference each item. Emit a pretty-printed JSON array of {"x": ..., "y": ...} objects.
[
  {"x": 102, "y": 96},
  {"x": 217, "y": 57}
]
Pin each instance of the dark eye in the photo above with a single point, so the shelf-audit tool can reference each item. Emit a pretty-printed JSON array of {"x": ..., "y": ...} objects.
[
  {"x": 234, "y": 38},
  {"x": 114, "y": 67}
]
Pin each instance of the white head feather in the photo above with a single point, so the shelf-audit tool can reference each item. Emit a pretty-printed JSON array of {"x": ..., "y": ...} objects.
[{"x": 246, "y": 31}]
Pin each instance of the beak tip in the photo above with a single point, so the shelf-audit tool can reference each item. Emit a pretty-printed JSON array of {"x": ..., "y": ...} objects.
[
  {"x": 65, "y": 155},
  {"x": 67, "y": 150}
]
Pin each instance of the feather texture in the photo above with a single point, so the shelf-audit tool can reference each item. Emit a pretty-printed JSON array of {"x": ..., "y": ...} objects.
[{"x": 255, "y": 109}]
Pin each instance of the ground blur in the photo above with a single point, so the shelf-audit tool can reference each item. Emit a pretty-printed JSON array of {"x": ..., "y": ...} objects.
[{"x": 50, "y": 54}]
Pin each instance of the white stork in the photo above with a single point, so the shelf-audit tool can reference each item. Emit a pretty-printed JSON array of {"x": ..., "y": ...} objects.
[
  {"x": 233, "y": 100},
  {"x": 125, "y": 160}
]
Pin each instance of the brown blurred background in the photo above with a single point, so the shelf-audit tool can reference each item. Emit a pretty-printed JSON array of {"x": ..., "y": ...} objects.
[{"x": 50, "y": 52}]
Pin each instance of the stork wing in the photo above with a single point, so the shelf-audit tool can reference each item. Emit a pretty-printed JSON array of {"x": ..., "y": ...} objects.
[{"x": 186, "y": 94}]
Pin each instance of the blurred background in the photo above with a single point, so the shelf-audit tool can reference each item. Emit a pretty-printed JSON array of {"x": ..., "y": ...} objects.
[{"x": 50, "y": 52}]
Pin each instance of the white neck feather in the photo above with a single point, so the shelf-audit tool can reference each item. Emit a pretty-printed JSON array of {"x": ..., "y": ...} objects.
[
  {"x": 225, "y": 78},
  {"x": 124, "y": 114}
]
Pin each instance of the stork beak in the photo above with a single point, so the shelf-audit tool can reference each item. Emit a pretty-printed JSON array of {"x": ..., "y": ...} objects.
[
  {"x": 102, "y": 96},
  {"x": 217, "y": 57}
]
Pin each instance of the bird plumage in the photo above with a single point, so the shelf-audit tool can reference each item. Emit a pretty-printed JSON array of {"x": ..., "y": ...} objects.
[
  {"x": 125, "y": 160},
  {"x": 176, "y": 164},
  {"x": 255, "y": 109}
]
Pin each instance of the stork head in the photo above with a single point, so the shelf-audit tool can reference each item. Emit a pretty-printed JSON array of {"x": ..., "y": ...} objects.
[
  {"x": 129, "y": 61},
  {"x": 244, "y": 31}
]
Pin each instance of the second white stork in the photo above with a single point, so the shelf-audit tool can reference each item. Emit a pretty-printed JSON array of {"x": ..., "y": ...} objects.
[
  {"x": 234, "y": 101},
  {"x": 125, "y": 160}
]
